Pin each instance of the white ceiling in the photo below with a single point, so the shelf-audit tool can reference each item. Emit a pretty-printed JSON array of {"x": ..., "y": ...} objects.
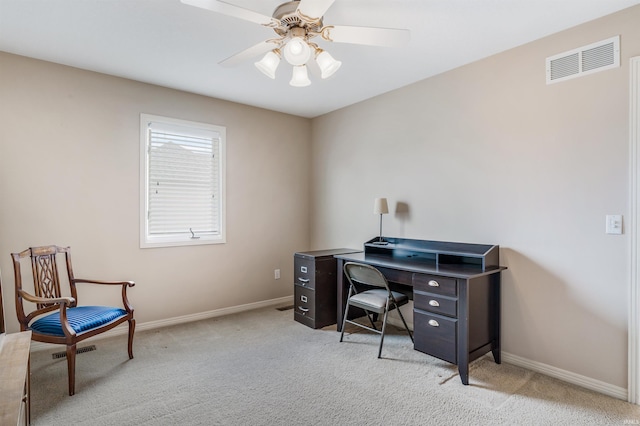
[{"x": 170, "y": 44}]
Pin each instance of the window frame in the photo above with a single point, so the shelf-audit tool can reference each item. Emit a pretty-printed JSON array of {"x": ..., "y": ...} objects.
[{"x": 175, "y": 240}]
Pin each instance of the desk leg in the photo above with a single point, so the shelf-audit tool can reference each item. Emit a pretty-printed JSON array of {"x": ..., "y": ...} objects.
[
  {"x": 27, "y": 419},
  {"x": 463, "y": 370},
  {"x": 463, "y": 331},
  {"x": 495, "y": 309},
  {"x": 342, "y": 294}
]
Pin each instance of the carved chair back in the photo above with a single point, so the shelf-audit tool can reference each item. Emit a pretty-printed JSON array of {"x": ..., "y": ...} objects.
[{"x": 46, "y": 279}]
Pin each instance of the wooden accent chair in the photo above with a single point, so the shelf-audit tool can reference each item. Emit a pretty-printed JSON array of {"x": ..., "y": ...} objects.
[{"x": 65, "y": 322}]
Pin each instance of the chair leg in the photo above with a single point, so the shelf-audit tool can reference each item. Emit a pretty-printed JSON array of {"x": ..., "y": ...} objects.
[
  {"x": 71, "y": 367},
  {"x": 132, "y": 328},
  {"x": 373, "y": 323},
  {"x": 344, "y": 320},
  {"x": 404, "y": 322},
  {"x": 384, "y": 326}
]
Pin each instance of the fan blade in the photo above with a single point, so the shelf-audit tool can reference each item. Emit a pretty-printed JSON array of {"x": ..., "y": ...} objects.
[
  {"x": 389, "y": 37},
  {"x": 314, "y": 9},
  {"x": 234, "y": 11},
  {"x": 253, "y": 51}
]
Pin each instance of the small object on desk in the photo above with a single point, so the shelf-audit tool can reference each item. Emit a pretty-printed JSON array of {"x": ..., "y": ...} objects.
[
  {"x": 380, "y": 207},
  {"x": 456, "y": 294}
]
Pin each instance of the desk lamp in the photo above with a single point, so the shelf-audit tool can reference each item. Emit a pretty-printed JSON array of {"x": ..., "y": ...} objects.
[{"x": 380, "y": 207}]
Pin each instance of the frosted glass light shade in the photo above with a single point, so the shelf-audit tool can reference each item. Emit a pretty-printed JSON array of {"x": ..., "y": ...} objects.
[
  {"x": 380, "y": 206},
  {"x": 269, "y": 64},
  {"x": 300, "y": 78},
  {"x": 327, "y": 64},
  {"x": 297, "y": 51}
]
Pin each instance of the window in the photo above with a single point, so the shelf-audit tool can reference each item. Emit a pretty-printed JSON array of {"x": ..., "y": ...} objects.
[{"x": 181, "y": 182}]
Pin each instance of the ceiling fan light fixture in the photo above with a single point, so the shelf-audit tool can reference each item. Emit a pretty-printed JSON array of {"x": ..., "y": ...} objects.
[
  {"x": 328, "y": 65},
  {"x": 300, "y": 78},
  {"x": 297, "y": 51},
  {"x": 269, "y": 63}
]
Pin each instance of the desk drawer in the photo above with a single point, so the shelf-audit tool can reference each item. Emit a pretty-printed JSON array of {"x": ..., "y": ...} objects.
[
  {"x": 396, "y": 276},
  {"x": 304, "y": 272},
  {"x": 435, "y": 284},
  {"x": 304, "y": 301},
  {"x": 435, "y": 335},
  {"x": 435, "y": 303}
]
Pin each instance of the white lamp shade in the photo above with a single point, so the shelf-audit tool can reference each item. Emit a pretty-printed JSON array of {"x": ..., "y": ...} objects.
[
  {"x": 327, "y": 64},
  {"x": 300, "y": 77},
  {"x": 268, "y": 64},
  {"x": 380, "y": 206},
  {"x": 297, "y": 51}
]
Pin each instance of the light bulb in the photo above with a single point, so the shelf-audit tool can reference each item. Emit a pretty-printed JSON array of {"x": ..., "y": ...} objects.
[
  {"x": 327, "y": 64},
  {"x": 300, "y": 77},
  {"x": 297, "y": 51},
  {"x": 269, "y": 63}
]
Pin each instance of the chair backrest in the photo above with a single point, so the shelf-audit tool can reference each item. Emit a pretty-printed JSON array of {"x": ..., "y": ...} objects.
[
  {"x": 365, "y": 274},
  {"x": 46, "y": 280}
]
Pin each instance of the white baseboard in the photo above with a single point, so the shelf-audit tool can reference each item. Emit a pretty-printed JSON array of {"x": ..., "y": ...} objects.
[
  {"x": 548, "y": 370},
  {"x": 567, "y": 376},
  {"x": 123, "y": 329},
  {"x": 538, "y": 367}
]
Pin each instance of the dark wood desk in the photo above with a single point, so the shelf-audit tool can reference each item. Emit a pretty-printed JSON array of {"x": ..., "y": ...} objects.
[{"x": 455, "y": 289}]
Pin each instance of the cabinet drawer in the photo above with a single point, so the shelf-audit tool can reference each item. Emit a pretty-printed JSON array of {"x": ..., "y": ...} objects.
[
  {"x": 435, "y": 335},
  {"x": 436, "y": 303},
  {"x": 304, "y": 272},
  {"x": 304, "y": 301},
  {"x": 435, "y": 284}
]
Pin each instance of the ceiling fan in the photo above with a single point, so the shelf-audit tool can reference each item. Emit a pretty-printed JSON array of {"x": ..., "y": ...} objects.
[{"x": 296, "y": 24}]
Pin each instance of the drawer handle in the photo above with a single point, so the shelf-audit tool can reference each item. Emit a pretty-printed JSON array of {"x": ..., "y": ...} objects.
[
  {"x": 434, "y": 283},
  {"x": 303, "y": 298},
  {"x": 433, "y": 323},
  {"x": 305, "y": 310},
  {"x": 434, "y": 303},
  {"x": 303, "y": 280}
]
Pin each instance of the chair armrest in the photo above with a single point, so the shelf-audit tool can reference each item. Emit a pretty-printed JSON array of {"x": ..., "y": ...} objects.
[
  {"x": 64, "y": 302},
  {"x": 69, "y": 301},
  {"x": 125, "y": 283}
]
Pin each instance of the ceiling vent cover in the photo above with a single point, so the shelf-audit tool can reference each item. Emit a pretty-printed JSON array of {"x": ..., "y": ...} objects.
[{"x": 595, "y": 57}]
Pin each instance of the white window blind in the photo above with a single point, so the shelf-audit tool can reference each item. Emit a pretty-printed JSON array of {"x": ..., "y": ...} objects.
[{"x": 183, "y": 182}]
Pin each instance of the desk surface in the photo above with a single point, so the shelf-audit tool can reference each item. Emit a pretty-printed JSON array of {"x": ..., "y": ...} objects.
[
  {"x": 405, "y": 263},
  {"x": 14, "y": 364}
]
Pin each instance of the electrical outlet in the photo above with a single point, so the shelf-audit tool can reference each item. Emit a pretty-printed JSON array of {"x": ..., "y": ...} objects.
[
  {"x": 276, "y": 274},
  {"x": 614, "y": 224}
]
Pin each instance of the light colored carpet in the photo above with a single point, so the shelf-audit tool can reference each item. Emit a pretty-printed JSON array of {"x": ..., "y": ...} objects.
[{"x": 263, "y": 368}]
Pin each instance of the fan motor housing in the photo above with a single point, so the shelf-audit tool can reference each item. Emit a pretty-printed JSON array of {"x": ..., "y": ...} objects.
[{"x": 287, "y": 14}]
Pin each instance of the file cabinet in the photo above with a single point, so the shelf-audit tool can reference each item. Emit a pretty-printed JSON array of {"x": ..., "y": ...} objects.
[{"x": 314, "y": 290}]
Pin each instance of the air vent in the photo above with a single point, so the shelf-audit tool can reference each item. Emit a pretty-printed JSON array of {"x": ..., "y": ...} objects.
[
  {"x": 78, "y": 351},
  {"x": 595, "y": 57},
  {"x": 285, "y": 308}
]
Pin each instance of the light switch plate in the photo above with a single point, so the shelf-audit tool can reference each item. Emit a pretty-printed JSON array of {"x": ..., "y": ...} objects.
[{"x": 614, "y": 224}]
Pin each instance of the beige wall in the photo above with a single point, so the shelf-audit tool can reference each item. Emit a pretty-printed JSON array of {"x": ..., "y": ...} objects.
[
  {"x": 488, "y": 153},
  {"x": 69, "y": 170}
]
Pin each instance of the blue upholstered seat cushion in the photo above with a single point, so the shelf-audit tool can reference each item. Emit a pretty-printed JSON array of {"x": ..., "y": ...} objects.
[{"x": 81, "y": 318}]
